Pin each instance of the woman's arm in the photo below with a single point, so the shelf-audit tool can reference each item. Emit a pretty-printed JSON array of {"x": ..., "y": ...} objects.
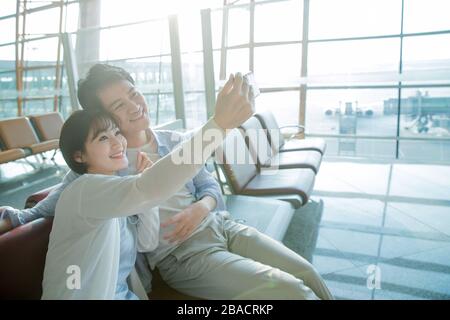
[
  {"x": 111, "y": 196},
  {"x": 11, "y": 218},
  {"x": 106, "y": 197}
]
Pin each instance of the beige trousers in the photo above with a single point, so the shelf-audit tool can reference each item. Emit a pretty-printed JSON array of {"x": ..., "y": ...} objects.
[{"x": 240, "y": 263}]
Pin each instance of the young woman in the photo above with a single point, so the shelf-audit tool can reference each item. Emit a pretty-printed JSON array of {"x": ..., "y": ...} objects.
[{"x": 90, "y": 255}]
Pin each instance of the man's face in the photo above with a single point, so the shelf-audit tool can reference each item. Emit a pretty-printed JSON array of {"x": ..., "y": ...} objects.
[{"x": 127, "y": 104}]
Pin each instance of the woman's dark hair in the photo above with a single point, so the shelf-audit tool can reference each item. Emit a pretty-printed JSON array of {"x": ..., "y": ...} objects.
[
  {"x": 99, "y": 76},
  {"x": 75, "y": 131}
]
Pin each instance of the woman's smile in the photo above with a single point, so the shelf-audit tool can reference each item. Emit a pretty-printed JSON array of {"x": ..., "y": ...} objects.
[{"x": 118, "y": 155}]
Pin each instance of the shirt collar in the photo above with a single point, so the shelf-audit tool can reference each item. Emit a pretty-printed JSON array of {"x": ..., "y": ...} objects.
[{"x": 163, "y": 149}]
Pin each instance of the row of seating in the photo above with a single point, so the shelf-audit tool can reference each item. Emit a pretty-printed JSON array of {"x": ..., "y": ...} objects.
[
  {"x": 255, "y": 202},
  {"x": 24, "y": 136},
  {"x": 276, "y": 168}
]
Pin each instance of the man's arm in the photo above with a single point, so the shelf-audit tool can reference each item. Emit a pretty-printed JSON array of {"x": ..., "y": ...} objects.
[
  {"x": 11, "y": 218},
  {"x": 204, "y": 182},
  {"x": 206, "y": 185},
  {"x": 209, "y": 202},
  {"x": 188, "y": 219},
  {"x": 209, "y": 198}
]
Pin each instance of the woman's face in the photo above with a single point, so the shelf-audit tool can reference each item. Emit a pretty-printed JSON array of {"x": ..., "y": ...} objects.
[{"x": 105, "y": 153}]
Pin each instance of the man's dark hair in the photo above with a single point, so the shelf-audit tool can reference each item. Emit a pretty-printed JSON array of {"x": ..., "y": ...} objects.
[
  {"x": 75, "y": 132},
  {"x": 98, "y": 77}
]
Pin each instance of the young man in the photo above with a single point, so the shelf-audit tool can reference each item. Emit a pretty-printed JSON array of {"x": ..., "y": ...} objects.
[{"x": 201, "y": 252}]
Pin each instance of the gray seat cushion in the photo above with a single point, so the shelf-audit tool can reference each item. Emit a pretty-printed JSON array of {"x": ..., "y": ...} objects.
[{"x": 271, "y": 217}]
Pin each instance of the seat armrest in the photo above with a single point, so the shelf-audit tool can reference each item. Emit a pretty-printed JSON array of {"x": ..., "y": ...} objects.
[
  {"x": 301, "y": 129},
  {"x": 38, "y": 196},
  {"x": 22, "y": 255}
]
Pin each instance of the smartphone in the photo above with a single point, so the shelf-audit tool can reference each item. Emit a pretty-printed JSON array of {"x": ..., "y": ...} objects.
[{"x": 249, "y": 78}]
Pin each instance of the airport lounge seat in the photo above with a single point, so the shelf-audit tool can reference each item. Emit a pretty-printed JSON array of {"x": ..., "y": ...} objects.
[
  {"x": 11, "y": 155},
  {"x": 280, "y": 144},
  {"x": 244, "y": 177},
  {"x": 48, "y": 126},
  {"x": 22, "y": 255},
  {"x": 44, "y": 146},
  {"x": 266, "y": 157},
  {"x": 18, "y": 133},
  {"x": 23, "y": 249}
]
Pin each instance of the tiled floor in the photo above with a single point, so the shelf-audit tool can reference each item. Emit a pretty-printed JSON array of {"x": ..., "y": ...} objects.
[
  {"x": 375, "y": 231},
  {"x": 19, "y": 179},
  {"x": 386, "y": 222}
]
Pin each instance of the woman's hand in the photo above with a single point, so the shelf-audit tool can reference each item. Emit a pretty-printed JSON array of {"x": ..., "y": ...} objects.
[
  {"x": 143, "y": 162},
  {"x": 233, "y": 106},
  {"x": 5, "y": 224},
  {"x": 187, "y": 220}
]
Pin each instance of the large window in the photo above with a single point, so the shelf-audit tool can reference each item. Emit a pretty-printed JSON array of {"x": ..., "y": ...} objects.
[
  {"x": 8, "y": 92},
  {"x": 426, "y": 15},
  {"x": 32, "y": 77},
  {"x": 146, "y": 55},
  {"x": 238, "y": 25},
  {"x": 425, "y": 114},
  {"x": 137, "y": 37},
  {"x": 375, "y": 79},
  {"x": 290, "y": 29},
  {"x": 353, "y": 57},
  {"x": 372, "y": 77},
  {"x": 264, "y": 37},
  {"x": 191, "y": 46},
  {"x": 275, "y": 65},
  {"x": 390, "y": 75},
  {"x": 331, "y": 19},
  {"x": 354, "y": 112},
  {"x": 429, "y": 54},
  {"x": 283, "y": 104}
]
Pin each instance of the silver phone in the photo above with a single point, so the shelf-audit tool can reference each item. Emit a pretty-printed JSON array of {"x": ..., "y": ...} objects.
[{"x": 249, "y": 78}]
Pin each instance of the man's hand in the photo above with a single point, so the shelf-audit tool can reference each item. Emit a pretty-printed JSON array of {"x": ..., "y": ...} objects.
[
  {"x": 233, "y": 106},
  {"x": 143, "y": 162},
  {"x": 188, "y": 220},
  {"x": 5, "y": 224}
]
